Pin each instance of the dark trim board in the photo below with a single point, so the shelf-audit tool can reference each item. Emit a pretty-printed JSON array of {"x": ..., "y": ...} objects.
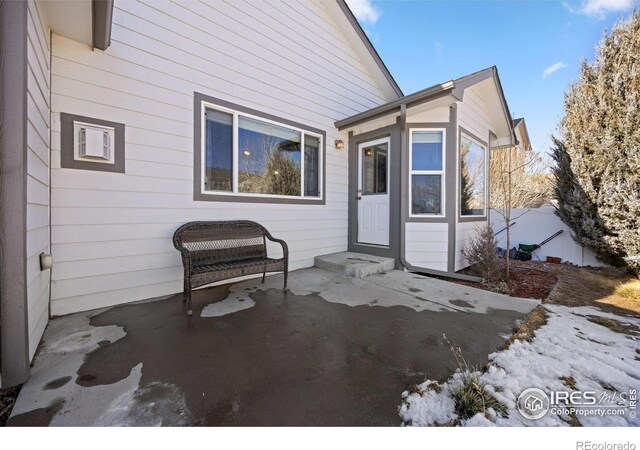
[
  {"x": 198, "y": 99},
  {"x": 485, "y": 218},
  {"x": 448, "y": 126},
  {"x": 14, "y": 324},
  {"x": 102, "y": 17},
  {"x": 67, "y": 159},
  {"x": 395, "y": 186}
]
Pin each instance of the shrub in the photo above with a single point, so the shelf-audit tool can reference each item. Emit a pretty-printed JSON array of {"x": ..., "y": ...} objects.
[
  {"x": 597, "y": 157},
  {"x": 482, "y": 254},
  {"x": 472, "y": 397}
]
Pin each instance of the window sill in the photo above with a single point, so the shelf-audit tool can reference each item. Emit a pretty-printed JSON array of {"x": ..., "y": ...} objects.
[
  {"x": 235, "y": 198},
  {"x": 472, "y": 218},
  {"x": 426, "y": 219}
]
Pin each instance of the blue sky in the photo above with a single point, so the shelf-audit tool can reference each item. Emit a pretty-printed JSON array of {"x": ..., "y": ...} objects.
[{"x": 536, "y": 45}]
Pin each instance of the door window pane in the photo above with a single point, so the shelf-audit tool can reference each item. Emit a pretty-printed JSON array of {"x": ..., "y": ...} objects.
[
  {"x": 426, "y": 194},
  {"x": 311, "y": 166},
  {"x": 472, "y": 178},
  {"x": 426, "y": 150},
  {"x": 374, "y": 169},
  {"x": 218, "y": 151},
  {"x": 268, "y": 158}
]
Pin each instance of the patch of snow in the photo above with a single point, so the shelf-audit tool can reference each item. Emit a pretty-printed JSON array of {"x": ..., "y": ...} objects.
[
  {"x": 154, "y": 405},
  {"x": 569, "y": 345},
  {"x": 237, "y": 300},
  {"x": 227, "y": 306}
]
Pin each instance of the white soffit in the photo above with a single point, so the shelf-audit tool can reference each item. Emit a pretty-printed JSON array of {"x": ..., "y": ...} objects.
[{"x": 70, "y": 18}]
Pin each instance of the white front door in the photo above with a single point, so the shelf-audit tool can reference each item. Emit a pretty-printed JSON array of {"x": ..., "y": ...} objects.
[{"x": 373, "y": 192}]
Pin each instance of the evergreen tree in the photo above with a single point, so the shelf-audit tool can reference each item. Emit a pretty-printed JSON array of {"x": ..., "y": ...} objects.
[{"x": 597, "y": 159}]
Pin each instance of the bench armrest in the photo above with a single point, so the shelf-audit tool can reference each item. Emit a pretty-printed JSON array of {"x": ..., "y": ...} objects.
[{"x": 285, "y": 247}]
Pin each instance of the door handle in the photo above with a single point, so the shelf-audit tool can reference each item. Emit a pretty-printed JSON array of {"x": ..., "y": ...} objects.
[{"x": 359, "y": 196}]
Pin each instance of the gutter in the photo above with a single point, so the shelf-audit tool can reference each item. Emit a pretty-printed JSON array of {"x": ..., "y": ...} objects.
[
  {"x": 102, "y": 18},
  {"x": 396, "y": 105}
]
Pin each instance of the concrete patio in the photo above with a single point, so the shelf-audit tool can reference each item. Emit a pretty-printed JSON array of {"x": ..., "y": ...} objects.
[{"x": 332, "y": 350}]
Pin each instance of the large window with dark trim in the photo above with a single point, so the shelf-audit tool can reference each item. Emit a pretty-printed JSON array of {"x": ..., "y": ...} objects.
[
  {"x": 248, "y": 155},
  {"x": 473, "y": 168},
  {"x": 427, "y": 165}
]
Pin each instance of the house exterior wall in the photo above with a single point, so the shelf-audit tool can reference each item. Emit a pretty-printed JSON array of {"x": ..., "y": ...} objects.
[
  {"x": 464, "y": 232},
  {"x": 473, "y": 116},
  {"x": 426, "y": 245},
  {"x": 111, "y": 233},
  {"x": 427, "y": 238},
  {"x": 38, "y": 115}
]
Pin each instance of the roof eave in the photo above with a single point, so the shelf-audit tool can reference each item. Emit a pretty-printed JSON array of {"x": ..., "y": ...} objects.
[
  {"x": 395, "y": 105},
  {"x": 102, "y": 17}
]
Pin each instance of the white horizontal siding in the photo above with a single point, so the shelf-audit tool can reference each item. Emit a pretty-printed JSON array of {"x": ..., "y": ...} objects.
[
  {"x": 111, "y": 233},
  {"x": 473, "y": 115},
  {"x": 464, "y": 232},
  {"x": 438, "y": 114},
  {"x": 426, "y": 245},
  {"x": 38, "y": 116}
]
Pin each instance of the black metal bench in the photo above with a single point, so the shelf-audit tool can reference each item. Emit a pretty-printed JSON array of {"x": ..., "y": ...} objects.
[{"x": 216, "y": 251}]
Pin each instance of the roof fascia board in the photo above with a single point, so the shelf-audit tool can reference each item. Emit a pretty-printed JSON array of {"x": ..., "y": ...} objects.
[
  {"x": 431, "y": 93},
  {"x": 102, "y": 17}
]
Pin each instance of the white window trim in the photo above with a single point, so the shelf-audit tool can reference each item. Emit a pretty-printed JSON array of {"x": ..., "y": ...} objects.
[
  {"x": 442, "y": 172},
  {"x": 234, "y": 155},
  {"x": 486, "y": 177},
  {"x": 385, "y": 140}
]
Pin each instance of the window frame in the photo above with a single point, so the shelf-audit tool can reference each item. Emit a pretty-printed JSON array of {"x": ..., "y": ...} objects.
[
  {"x": 472, "y": 217},
  {"x": 204, "y": 103},
  {"x": 441, "y": 173}
]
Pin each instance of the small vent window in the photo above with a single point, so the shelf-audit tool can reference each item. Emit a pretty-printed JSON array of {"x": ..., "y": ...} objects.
[{"x": 94, "y": 143}]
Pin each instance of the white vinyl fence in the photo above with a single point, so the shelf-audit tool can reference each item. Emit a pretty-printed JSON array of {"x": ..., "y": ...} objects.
[{"x": 535, "y": 226}]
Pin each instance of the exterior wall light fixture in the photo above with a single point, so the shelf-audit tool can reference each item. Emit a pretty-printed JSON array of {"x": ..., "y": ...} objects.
[{"x": 339, "y": 144}]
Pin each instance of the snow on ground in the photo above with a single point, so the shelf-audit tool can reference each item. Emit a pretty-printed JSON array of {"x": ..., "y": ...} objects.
[{"x": 569, "y": 345}]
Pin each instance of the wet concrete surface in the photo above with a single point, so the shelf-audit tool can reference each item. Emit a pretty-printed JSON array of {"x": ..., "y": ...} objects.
[{"x": 289, "y": 359}]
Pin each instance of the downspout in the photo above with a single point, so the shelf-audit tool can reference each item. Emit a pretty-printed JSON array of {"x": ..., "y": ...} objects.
[{"x": 403, "y": 211}]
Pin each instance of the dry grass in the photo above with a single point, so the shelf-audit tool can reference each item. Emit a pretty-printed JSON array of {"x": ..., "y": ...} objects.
[
  {"x": 609, "y": 289},
  {"x": 625, "y": 296},
  {"x": 615, "y": 325},
  {"x": 526, "y": 330},
  {"x": 569, "y": 382}
]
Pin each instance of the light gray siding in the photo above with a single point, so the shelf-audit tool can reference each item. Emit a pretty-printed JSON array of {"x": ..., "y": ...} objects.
[
  {"x": 111, "y": 233},
  {"x": 473, "y": 115},
  {"x": 38, "y": 114}
]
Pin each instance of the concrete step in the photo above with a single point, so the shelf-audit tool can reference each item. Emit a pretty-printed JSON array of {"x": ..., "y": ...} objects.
[{"x": 354, "y": 265}]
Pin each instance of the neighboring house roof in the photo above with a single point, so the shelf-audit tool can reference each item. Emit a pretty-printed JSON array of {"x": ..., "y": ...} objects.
[
  {"x": 522, "y": 133},
  {"x": 367, "y": 43},
  {"x": 454, "y": 88}
]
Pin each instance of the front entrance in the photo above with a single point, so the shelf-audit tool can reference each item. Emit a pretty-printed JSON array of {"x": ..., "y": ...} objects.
[{"x": 373, "y": 192}]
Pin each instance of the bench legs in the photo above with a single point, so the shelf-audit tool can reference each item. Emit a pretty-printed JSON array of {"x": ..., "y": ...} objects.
[
  {"x": 186, "y": 298},
  {"x": 286, "y": 273}
]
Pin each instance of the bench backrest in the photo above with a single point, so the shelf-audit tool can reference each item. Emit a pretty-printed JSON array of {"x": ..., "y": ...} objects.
[{"x": 221, "y": 241}]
